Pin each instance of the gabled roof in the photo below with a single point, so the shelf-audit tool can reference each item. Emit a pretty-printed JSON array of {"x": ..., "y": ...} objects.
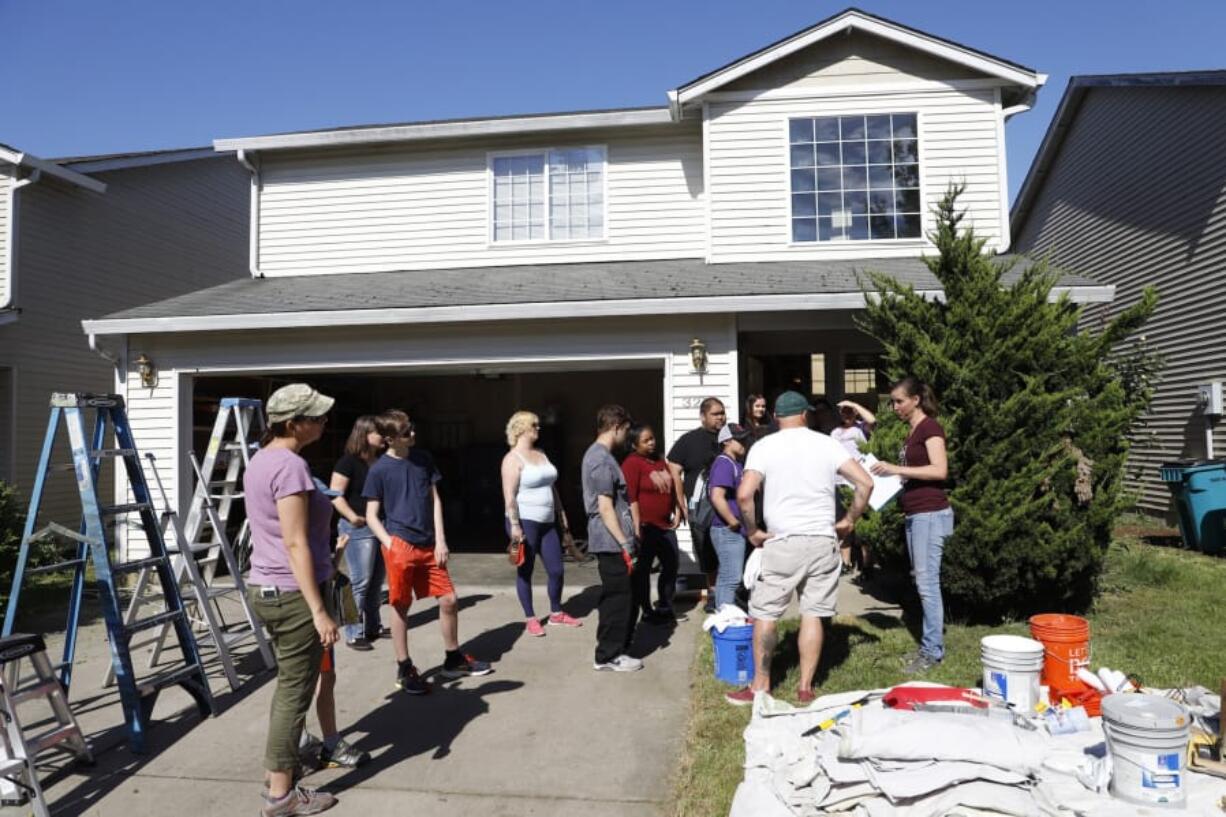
[
  {"x": 19, "y": 158},
  {"x": 533, "y": 292},
  {"x": 855, "y": 19},
  {"x": 445, "y": 128},
  {"x": 1066, "y": 112},
  {"x": 103, "y": 162}
]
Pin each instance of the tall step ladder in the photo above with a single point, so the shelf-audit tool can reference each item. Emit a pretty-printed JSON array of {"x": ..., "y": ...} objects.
[
  {"x": 93, "y": 544},
  {"x": 235, "y": 437},
  {"x": 203, "y": 599},
  {"x": 19, "y": 750}
]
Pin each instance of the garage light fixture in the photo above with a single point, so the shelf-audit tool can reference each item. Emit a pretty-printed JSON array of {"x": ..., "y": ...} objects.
[
  {"x": 698, "y": 356},
  {"x": 148, "y": 372}
]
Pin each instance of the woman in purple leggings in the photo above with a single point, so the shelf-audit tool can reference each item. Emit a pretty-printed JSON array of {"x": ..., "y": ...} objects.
[{"x": 533, "y": 509}]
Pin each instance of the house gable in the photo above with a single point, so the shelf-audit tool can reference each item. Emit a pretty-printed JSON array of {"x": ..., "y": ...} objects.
[{"x": 854, "y": 59}]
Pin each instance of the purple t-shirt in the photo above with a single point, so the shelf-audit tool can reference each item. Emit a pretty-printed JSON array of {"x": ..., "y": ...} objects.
[
  {"x": 275, "y": 473},
  {"x": 726, "y": 473}
]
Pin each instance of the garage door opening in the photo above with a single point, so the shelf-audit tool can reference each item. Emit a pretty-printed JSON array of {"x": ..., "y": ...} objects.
[{"x": 461, "y": 419}]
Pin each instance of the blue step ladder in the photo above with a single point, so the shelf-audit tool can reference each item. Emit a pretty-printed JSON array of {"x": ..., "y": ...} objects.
[{"x": 93, "y": 544}]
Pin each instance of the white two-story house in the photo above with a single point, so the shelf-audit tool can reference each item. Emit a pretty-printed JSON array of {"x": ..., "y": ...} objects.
[{"x": 651, "y": 256}]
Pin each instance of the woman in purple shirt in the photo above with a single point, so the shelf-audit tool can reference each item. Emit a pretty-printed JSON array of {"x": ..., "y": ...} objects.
[
  {"x": 726, "y": 536},
  {"x": 291, "y": 563}
]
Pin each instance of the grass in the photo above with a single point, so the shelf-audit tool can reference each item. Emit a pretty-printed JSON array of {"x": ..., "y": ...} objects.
[{"x": 1160, "y": 616}]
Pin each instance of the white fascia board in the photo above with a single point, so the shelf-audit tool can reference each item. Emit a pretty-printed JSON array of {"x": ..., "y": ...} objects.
[
  {"x": 852, "y": 20},
  {"x": 88, "y": 165},
  {"x": 524, "y": 311},
  {"x": 51, "y": 169},
  {"x": 442, "y": 130}
]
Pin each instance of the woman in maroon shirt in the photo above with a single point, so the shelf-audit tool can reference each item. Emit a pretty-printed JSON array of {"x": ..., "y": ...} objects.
[
  {"x": 924, "y": 467},
  {"x": 655, "y": 507}
]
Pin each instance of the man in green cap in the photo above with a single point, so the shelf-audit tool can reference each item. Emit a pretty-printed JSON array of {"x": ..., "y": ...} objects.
[{"x": 798, "y": 470}]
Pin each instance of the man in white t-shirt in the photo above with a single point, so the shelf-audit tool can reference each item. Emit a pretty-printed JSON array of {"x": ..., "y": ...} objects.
[{"x": 798, "y": 470}]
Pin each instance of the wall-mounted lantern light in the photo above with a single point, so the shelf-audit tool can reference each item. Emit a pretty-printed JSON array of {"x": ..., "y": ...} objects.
[
  {"x": 148, "y": 372},
  {"x": 698, "y": 356}
]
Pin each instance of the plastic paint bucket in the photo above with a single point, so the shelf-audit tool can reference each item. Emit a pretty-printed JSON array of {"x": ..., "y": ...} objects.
[
  {"x": 1147, "y": 736},
  {"x": 733, "y": 654},
  {"x": 1066, "y": 642},
  {"x": 1011, "y": 668}
]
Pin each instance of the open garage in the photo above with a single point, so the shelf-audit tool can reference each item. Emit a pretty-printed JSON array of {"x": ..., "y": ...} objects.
[{"x": 461, "y": 418}]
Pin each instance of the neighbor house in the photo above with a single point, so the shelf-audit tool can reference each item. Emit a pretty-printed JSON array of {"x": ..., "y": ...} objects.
[
  {"x": 650, "y": 256},
  {"x": 89, "y": 235},
  {"x": 1129, "y": 188}
]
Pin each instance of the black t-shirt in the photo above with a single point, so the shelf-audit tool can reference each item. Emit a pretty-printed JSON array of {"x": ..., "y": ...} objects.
[
  {"x": 356, "y": 469},
  {"x": 694, "y": 451}
]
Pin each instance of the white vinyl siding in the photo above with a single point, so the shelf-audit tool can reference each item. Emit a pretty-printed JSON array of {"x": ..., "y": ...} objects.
[
  {"x": 428, "y": 206},
  {"x": 6, "y": 239},
  {"x": 749, "y": 158},
  {"x": 157, "y": 414}
]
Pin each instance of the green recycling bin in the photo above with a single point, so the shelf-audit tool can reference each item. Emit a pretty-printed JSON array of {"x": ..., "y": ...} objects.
[{"x": 1199, "y": 489}]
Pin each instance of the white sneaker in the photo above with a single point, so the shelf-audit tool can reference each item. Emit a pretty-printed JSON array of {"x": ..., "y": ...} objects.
[{"x": 622, "y": 663}]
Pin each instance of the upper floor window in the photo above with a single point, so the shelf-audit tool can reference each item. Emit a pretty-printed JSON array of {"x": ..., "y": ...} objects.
[
  {"x": 855, "y": 178},
  {"x": 553, "y": 195}
]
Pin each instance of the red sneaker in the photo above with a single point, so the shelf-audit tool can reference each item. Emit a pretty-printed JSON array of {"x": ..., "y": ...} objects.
[
  {"x": 534, "y": 628},
  {"x": 742, "y": 697},
  {"x": 804, "y": 697},
  {"x": 564, "y": 620}
]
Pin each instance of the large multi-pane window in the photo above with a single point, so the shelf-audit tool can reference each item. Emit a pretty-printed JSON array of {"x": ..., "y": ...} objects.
[
  {"x": 855, "y": 178},
  {"x": 555, "y": 195}
]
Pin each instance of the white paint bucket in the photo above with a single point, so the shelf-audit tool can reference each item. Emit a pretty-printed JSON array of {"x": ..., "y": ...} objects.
[
  {"x": 1012, "y": 666},
  {"x": 1147, "y": 736}
]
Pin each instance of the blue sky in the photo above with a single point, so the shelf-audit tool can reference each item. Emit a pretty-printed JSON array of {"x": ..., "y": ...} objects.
[{"x": 87, "y": 76}]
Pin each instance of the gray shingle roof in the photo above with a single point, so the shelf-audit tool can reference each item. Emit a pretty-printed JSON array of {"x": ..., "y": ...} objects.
[{"x": 559, "y": 283}]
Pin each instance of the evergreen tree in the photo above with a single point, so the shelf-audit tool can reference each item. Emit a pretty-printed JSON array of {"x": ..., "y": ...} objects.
[{"x": 1036, "y": 414}]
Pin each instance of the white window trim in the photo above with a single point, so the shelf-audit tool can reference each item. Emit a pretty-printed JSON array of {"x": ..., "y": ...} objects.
[
  {"x": 925, "y": 216},
  {"x": 547, "y": 241}
]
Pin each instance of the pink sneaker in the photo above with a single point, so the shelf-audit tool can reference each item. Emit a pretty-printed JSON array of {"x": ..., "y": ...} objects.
[
  {"x": 740, "y": 697},
  {"x": 564, "y": 620},
  {"x": 533, "y": 627}
]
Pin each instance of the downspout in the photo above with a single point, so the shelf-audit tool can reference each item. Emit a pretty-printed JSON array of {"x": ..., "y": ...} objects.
[{"x": 254, "y": 249}]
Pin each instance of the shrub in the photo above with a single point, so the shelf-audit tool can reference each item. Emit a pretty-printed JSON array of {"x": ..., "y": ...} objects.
[{"x": 1037, "y": 416}]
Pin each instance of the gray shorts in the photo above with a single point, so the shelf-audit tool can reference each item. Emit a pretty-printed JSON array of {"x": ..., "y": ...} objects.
[{"x": 807, "y": 565}]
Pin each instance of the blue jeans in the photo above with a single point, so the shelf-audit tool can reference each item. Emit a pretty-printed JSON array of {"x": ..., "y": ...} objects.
[
  {"x": 730, "y": 548},
  {"x": 926, "y": 535},
  {"x": 365, "y": 561}
]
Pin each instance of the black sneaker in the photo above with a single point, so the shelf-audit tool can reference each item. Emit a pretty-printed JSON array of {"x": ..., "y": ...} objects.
[
  {"x": 342, "y": 755},
  {"x": 409, "y": 681},
  {"x": 462, "y": 666},
  {"x": 658, "y": 617},
  {"x": 360, "y": 644}
]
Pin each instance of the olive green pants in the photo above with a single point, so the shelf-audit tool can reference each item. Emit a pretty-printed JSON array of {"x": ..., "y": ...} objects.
[{"x": 290, "y": 625}]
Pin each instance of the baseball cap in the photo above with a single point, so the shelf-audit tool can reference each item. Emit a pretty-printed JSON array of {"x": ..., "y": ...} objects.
[
  {"x": 791, "y": 403},
  {"x": 297, "y": 400},
  {"x": 733, "y": 431}
]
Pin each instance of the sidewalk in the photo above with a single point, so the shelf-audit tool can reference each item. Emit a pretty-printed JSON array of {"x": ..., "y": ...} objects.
[{"x": 543, "y": 735}]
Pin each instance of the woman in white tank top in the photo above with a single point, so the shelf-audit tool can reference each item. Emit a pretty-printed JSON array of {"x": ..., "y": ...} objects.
[{"x": 533, "y": 513}]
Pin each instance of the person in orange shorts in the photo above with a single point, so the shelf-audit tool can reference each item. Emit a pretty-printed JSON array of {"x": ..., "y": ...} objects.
[{"x": 405, "y": 513}]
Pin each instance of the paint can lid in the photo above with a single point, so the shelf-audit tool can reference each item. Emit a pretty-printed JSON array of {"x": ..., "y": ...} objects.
[{"x": 1140, "y": 711}]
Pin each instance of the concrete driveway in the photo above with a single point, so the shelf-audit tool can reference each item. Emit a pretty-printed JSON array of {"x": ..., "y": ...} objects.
[{"x": 543, "y": 735}]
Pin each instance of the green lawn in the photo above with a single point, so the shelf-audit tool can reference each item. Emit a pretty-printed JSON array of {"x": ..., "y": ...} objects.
[{"x": 1160, "y": 616}]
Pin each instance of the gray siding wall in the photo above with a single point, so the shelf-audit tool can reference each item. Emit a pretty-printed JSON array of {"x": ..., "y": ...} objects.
[
  {"x": 1137, "y": 196},
  {"x": 158, "y": 231}
]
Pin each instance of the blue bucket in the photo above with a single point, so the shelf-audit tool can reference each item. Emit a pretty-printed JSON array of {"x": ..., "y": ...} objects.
[{"x": 734, "y": 654}]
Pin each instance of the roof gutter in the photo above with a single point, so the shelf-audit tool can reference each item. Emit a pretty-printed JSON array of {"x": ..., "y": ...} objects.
[
  {"x": 253, "y": 250},
  {"x": 20, "y": 159},
  {"x": 524, "y": 311}
]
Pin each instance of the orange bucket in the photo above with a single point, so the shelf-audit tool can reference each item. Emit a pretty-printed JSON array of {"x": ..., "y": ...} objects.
[{"x": 1066, "y": 647}]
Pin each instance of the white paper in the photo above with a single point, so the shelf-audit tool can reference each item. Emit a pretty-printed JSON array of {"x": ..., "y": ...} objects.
[{"x": 884, "y": 488}]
